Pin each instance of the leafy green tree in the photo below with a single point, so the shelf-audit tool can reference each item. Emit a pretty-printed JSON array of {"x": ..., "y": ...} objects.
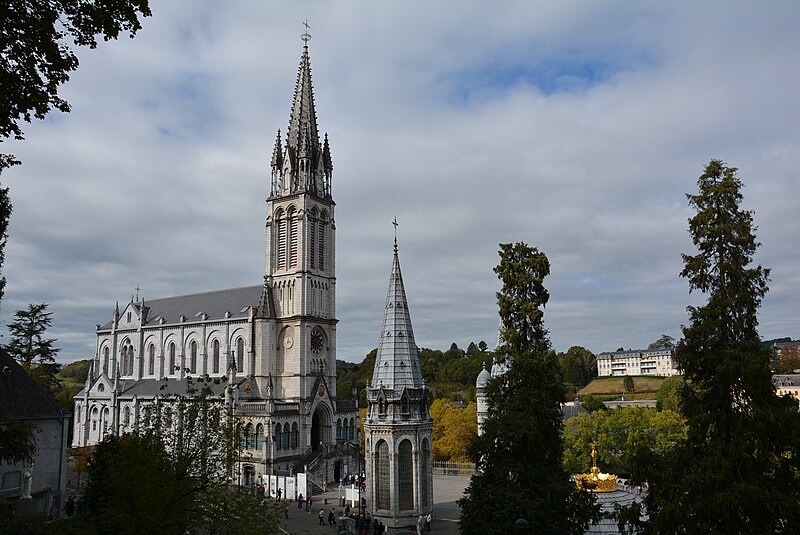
[
  {"x": 35, "y": 45},
  {"x": 454, "y": 429},
  {"x": 28, "y": 345},
  {"x": 592, "y": 403},
  {"x": 788, "y": 360},
  {"x": 629, "y": 385},
  {"x": 578, "y": 365},
  {"x": 620, "y": 435},
  {"x": 520, "y": 474},
  {"x": 670, "y": 394},
  {"x": 180, "y": 461},
  {"x": 739, "y": 470},
  {"x": 665, "y": 342}
]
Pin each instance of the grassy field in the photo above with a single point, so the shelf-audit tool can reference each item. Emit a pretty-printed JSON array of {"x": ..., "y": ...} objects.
[{"x": 605, "y": 386}]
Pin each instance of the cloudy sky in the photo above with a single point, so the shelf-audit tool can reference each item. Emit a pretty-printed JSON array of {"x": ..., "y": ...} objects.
[{"x": 577, "y": 127}]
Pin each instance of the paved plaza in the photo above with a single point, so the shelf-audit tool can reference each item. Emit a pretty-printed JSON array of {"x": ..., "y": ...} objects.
[{"x": 446, "y": 490}]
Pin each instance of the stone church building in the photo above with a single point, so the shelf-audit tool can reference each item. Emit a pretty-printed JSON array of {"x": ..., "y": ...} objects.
[
  {"x": 398, "y": 428},
  {"x": 275, "y": 342}
]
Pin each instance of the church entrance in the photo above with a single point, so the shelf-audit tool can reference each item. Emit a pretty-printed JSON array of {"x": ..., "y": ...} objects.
[
  {"x": 337, "y": 471},
  {"x": 315, "y": 431},
  {"x": 320, "y": 427}
]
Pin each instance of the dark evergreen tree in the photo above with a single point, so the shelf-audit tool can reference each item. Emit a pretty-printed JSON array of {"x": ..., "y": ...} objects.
[
  {"x": 28, "y": 345},
  {"x": 5, "y": 215},
  {"x": 739, "y": 471},
  {"x": 519, "y": 456}
]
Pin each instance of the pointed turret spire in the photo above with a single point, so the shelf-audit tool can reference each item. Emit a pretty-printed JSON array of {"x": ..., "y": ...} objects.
[
  {"x": 276, "y": 166},
  {"x": 303, "y": 166},
  {"x": 90, "y": 376},
  {"x": 397, "y": 362},
  {"x": 304, "y": 113}
]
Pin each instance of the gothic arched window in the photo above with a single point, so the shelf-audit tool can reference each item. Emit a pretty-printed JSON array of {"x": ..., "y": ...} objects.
[
  {"x": 171, "y": 358},
  {"x": 321, "y": 241},
  {"x": 280, "y": 220},
  {"x": 339, "y": 435},
  {"x": 286, "y": 436},
  {"x": 126, "y": 416},
  {"x": 312, "y": 240},
  {"x": 424, "y": 495},
  {"x": 240, "y": 355},
  {"x": 193, "y": 357},
  {"x": 277, "y": 437},
  {"x": 382, "y": 471},
  {"x": 105, "y": 360},
  {"x": 127, "y": 358},
  {"x": 405, "y": 476},
  {"x": 295, "y": 435},
  {"x": 215, "y": 355},
  {"x": 351, "y": 432},
  {"x": 291, "y": 231},
  {"x": 151, "y": 359},
  {"x": 259, "y": 437}
]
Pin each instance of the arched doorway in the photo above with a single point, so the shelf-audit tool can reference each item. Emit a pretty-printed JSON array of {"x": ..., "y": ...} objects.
[
  {"x": 337, "y": 471},
  {"x": 320, "y": 425},
  {"x": 316, "y": 432}
]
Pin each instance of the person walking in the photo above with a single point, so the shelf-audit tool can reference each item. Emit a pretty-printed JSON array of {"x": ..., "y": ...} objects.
[
  {"x": 332, "y": 517},
  {"x": 300, "y": 501},
  {"x": 428, "y": 519},
  {"x": 321, "y": 517}
]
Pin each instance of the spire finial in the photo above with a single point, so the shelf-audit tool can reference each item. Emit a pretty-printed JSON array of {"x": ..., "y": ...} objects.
[
  {"x": 394, "y": 222},
  {"x": 306, "y": 37}
]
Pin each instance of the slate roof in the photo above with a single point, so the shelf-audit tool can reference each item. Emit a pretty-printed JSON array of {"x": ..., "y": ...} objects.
[
  {"x": 20, "y": 396},
  {"x": 397, "y": 363},
  {"x": 214, "y": 304}
]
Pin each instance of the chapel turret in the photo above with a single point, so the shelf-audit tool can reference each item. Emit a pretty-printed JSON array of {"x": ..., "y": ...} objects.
[{"x": 398, "y": 428}]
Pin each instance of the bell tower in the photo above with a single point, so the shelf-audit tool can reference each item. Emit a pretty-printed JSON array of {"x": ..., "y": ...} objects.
[{"x": 299, "y": 298}]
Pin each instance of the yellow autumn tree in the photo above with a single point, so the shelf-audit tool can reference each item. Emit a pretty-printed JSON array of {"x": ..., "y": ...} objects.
[{"x": 453, "y": 430}]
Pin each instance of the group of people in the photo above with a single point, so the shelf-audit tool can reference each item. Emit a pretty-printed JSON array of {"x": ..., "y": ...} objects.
[
  {"x": 304, "y": 502},
  {"x": 355, "y": 479},
  {"x": 363, "y": 524}
]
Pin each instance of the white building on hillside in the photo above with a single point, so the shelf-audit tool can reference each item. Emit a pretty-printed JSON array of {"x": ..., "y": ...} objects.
[{"x": 657, "y": 362}]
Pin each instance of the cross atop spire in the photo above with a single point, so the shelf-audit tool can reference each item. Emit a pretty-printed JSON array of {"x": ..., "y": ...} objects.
[
  {"x": 306, "y": 37},
  {"x": 394, "y": 222}
]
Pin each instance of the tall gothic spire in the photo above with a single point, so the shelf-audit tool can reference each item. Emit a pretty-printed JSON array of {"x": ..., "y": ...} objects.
[
  {"x": 305, "y": 165},
  {"x": 397, "y": 363}
]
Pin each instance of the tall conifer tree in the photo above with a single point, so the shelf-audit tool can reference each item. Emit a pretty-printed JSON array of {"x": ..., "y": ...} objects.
[
  {"x": 518, "y": 456},
  {"x": 739, "y": 471}
]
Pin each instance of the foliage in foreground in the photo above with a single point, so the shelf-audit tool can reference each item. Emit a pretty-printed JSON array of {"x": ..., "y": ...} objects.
[
  {"x": 739, "y": 469},
  {"x": 520, "y": 473},
  {"x": 173, "y": 473},
  {"x": 619, "y": 434}
]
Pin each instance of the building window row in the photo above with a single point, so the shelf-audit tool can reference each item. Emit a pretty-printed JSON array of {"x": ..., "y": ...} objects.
[
  {"x": 172, "y": 365},
  {"x": 345, "y": 429},
  {"x": 286, "y": 437}
]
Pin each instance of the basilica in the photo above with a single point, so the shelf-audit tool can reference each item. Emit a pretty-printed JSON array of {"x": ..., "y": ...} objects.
[{"x": 272, "y": 346}]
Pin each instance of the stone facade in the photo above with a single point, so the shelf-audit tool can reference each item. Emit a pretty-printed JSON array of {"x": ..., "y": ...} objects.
[
  {"x": 36, "y": 489},
  {"x": 274, "y": 343},
  {"x": 398, "y": 428},
  {"x": 658, "y": 362}
]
